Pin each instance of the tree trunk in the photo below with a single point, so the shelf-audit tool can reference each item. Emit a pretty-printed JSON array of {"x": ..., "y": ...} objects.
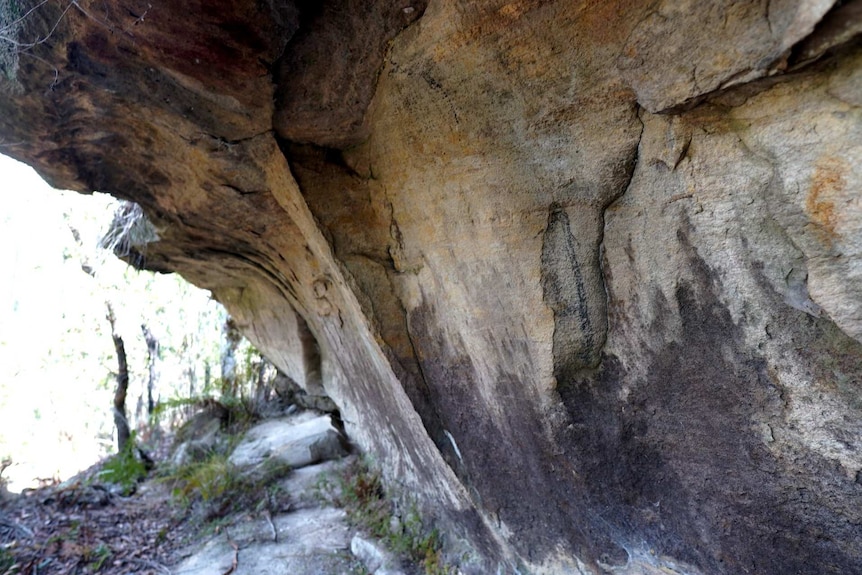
[
  {"x": 152, "y": 358},
  {"x": 120, "y": 420},
  {"x": 229, "y": 376},
  {"x": 262, "y": 385}
]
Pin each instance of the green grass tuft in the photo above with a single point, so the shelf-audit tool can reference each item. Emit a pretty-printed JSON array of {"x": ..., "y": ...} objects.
[
  {"x": 99, "y": 556},
  {"x": 125, "y": 468},
  {"x": 358, "y": 489},
  {"x": 7, "y": 561},
  {"x": 214, "y": 488}
]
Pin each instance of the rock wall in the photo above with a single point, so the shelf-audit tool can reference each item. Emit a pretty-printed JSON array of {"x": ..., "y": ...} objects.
[{"x": 583, "y": 276}]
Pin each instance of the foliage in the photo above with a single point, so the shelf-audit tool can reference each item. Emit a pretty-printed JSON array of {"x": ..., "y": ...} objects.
[
  {"x": 7, "y": 561},
  {"x": 240, "y": 412},
  {"x": 165, "y": 405},
  {"x": 10, "y": 23},
  {"x": 99, "y": 556},
  {"x": 206, "y": 480},
  {"x": 245, "y": 374},
  {"x": 182, "y": 409},
  {"x": 214, "y": 487},
  {"x": 358, "y": 489},
  {"x": 129, "y": 233},
  {"x": 73, "y": 343},
  {"x": 126, "y": 468}
]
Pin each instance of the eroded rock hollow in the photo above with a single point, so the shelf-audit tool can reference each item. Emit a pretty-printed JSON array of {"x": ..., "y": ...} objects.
[{"x": 584, "y": 277}]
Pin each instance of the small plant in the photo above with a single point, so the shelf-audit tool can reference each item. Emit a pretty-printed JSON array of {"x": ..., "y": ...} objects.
[
  {"x": 98, "y": 556},
  {"x": 126, "y": 468},
  {"x": 206, "y": 480},
  {"x": 412, "y": 538},
  {"x": 359, "y": 491},
  {"x": 242, "y": 413},
  {"x": 353, "y": 565},
  {"x": 71, "y": 533},
  {"x": 216, "y": 487},
  {"x": 7, "y": 561},
  {"x": 237, "y": 413}
]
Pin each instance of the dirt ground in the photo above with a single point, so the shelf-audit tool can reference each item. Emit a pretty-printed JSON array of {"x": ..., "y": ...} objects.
[
  {"x": 82, "y": 527},
  {"x": 272, "y": 519}
]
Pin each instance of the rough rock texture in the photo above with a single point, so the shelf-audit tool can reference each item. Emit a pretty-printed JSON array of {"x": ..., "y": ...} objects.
[
  {"x": 295, "y": 441},
  {"x": 303, "y": 536},
  {"x": 310, "y": 541},
  {"x": 376, "y": 559},
  {"x": 584, "y": 276}
]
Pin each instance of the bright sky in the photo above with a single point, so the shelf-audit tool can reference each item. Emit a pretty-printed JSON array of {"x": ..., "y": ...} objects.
[
  {"x": 56, "y": 351},
  {"x": 34, "y": 237},
  {"x": 44, "y": 300}
]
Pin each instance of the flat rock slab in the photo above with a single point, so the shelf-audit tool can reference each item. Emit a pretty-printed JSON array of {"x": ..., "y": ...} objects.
[
  {"x": 296, "y": 443},
  {"x": 376, "y": 558},
  {"x": 300, "y": 484},
  {"x": 309, "y": 541}
]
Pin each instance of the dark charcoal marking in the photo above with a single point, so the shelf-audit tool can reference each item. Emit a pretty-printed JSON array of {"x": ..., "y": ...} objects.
[
  {"x": 81, "y": 63},
  {"x": 565, "y": 292},
  {"x": 510, "y": 468},
  {"x": 679, "y": 464}
]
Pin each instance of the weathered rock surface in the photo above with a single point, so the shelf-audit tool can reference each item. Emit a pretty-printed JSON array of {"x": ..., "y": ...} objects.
[
  {"x": 200, "y": 437},
  {"x": 376, "y": 559},
  {"x": 309, "y": 538},
  {"x": 294, "y": 441},
  {"x": 311, "y": 541},
  {"x": 584, "y": 276}
]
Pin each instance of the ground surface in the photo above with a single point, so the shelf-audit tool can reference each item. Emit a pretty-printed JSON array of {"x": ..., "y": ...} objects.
[{"x": 83, "y": 526}]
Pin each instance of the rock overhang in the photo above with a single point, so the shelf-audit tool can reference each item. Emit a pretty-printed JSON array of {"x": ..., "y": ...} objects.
[{"x": 531, "y": 294}]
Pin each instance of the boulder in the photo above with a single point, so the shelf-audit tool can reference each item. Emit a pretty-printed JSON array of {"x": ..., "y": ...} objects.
[
  {"x": 293, "y": 441},
  {"x": 376, "y": 559},
  {"x": 291, "y": 393},
  {"x": 200, "y": 436},
  {"x": 302, "y": 484}
]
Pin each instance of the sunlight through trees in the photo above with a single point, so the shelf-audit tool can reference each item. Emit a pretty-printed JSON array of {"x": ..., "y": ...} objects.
[{"x": 57, "y": 358}]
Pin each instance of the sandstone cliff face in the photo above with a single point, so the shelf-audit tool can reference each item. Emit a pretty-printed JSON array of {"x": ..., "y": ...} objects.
[{"x": 583, "y": 276}]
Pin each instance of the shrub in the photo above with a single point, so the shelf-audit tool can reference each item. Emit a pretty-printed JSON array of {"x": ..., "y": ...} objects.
[
  {"x": 214, "y": 487},
  {"x": 206, "y": 480},
  {"x": 358, "y": 489},
  {"x": 126, "y": 468},
  {"x": 7, "y": 561}
]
